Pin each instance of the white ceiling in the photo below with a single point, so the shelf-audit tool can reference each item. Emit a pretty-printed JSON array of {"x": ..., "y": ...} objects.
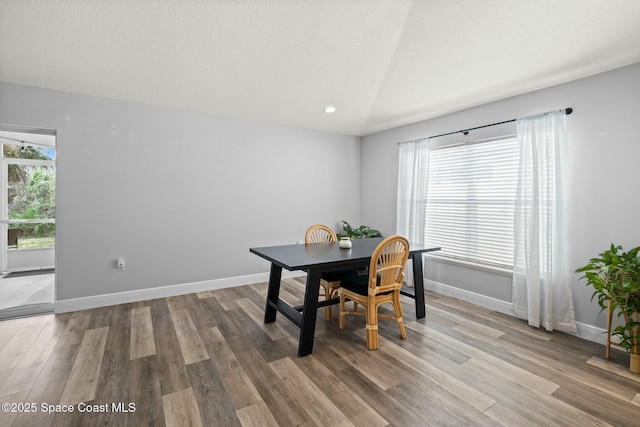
[{"x": 382, "y": 63}]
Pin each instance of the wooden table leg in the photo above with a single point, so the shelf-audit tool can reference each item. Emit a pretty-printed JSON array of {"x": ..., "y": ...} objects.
[
  {"x": 273, "y": 293},
  {"x": 418, "y": 284},
  {"x": 309, "y": 313}
]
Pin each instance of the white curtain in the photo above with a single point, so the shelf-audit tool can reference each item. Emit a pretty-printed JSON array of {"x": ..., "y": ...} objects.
[
  {"x": 541, "y": 274},
  {"x": 412, "y": 189},
  {"x": 413, "y": 172}
]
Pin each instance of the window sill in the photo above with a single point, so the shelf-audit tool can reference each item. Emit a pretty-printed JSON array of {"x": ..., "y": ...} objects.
[{"x": 505, "y": 271}]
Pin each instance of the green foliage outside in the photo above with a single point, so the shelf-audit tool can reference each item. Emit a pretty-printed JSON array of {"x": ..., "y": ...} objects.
[
  {"x": 31, "y": 195},
  {"x": 33, "y": 198}
]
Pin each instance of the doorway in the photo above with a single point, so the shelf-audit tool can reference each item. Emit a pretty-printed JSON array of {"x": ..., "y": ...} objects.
[{"x": 27, "y": 221}]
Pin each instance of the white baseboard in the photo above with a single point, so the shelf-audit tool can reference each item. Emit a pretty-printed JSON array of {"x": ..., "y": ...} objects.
[
  {"x": 104, "y": 300},
  {"x": 585, "y": 331},
  {"x": 591, "y": 333},
  {"x": 472, "y": 297}
]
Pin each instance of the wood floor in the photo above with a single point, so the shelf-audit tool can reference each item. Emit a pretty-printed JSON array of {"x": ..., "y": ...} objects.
[{"x": 207, "y": 359}]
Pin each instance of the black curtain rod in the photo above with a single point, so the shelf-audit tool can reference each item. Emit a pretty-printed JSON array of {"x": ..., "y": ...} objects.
[{"x": 466, "y": 131}]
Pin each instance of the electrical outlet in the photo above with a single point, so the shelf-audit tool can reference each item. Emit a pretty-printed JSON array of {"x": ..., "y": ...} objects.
[{"x": 120, "y": 264}]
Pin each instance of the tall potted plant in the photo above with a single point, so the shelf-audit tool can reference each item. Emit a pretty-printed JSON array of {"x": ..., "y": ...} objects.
[{"x": 615, "y": 277}]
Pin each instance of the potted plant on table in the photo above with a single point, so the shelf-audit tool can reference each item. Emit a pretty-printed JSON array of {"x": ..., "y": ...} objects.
[
  {"x": 615, "y": 277},
  {"x": 362, "y": 232}
]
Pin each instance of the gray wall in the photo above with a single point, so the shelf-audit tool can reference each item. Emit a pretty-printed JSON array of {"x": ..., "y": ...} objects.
[
  {"x": 180, "y": 195},
  {"x": 183, "y": 195},
  {"x": 604, "y": 174}
]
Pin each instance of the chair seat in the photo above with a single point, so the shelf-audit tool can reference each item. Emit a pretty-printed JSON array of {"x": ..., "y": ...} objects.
[
  {"x": 338, "y": 275},
  {"x": 359, "y": 285}
]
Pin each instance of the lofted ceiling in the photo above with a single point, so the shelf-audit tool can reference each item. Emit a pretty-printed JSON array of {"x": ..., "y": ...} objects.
[{"x": 381, "y": 63}]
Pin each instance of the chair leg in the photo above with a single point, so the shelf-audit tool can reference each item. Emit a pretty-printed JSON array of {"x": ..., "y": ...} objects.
[
  {"x": 372, "y": 326},
  {"x": 607, "y": 352},
  {"x": 341, "y": 311},
  {"x": 327, "y": 296},
  {"x": 397, "y": 308},
  {"x": 327, "y": 314},
  {"x": 330, "y": 292}
]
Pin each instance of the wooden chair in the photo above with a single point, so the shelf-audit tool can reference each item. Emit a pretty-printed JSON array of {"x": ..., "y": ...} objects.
[
  {"x": 330, "y": 281},
  {"x": 382, "y": 285},
  {"x": 320, "y": 234}
]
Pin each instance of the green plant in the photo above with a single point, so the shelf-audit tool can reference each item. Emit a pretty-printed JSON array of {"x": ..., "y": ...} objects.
[
  {"x": 615, "y": 278},
  {"x": 33, "y": 197},
  {"x": 362, "y": 232}
]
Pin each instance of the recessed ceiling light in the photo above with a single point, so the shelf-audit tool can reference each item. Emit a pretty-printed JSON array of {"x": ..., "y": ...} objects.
[{"x": 330, "y": 109}]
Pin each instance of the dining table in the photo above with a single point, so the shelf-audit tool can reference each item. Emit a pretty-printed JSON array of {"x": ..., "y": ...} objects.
[{"x": 317, "y": 258}]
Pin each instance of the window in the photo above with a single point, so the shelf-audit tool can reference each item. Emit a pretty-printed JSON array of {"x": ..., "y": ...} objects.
[
  {"x": 30, "y": 185},
  {"x": 471, "y": 190}
]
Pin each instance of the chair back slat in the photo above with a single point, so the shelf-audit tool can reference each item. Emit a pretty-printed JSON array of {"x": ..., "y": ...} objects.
[
  {"x": 386, "y": 270},
  {"x": 319, "y": 233}
]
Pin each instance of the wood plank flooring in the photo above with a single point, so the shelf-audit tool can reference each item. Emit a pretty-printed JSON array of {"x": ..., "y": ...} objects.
[{"x": 207, "y": 359}]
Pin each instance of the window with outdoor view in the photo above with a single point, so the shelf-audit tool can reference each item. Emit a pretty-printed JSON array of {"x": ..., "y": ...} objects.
[{"x": 31, "y": 208}]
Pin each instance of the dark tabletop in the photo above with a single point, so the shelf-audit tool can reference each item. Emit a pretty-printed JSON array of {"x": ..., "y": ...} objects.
[{"x": 305, "y": 256}]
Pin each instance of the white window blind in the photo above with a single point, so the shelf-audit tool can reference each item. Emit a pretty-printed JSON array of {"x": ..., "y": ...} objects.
[{"x": 471, "y": 192}]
